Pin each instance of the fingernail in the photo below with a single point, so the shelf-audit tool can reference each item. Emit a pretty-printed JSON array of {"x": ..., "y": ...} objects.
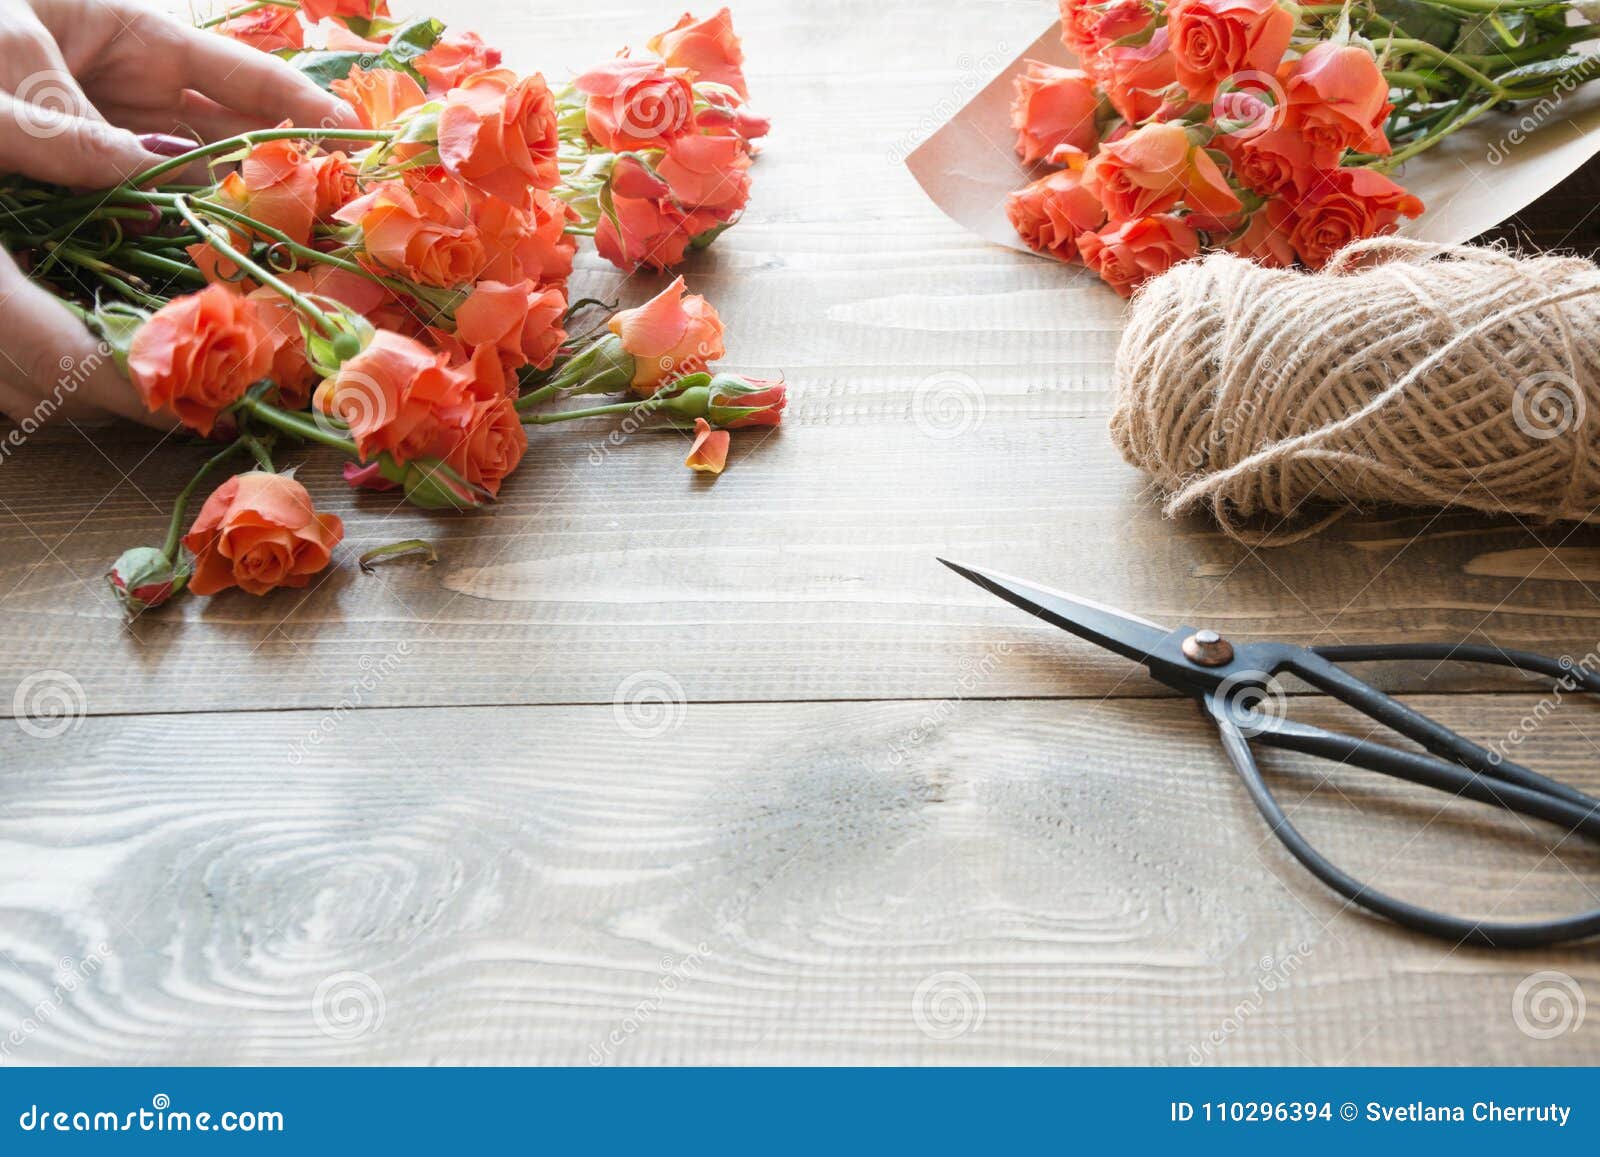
[
  {"x": 166, "y": 145},
  {"x": 138, "y": 228}
]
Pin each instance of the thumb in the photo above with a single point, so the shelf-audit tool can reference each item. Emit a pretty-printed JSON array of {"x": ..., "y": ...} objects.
[
  {"x": 62, "y": 149},
  {"x": 52, "y": 365}
]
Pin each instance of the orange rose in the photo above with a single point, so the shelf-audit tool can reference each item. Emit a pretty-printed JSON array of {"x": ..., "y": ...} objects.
[
  {"x": 1215, "y": 39},
  {"x": 316, "y": 10},
  {"x": 1135, "y": 75},
  {"x": 525, "y": 244},
  {"x": 423, "y": 231},
  {"x": 707, "y": 173},
  {"x": 708, "y": 48},
  {"x": 266, "y": 29},
  {"x": 336, "y": 183},
  {"x": 1265, "y": 236},
  {"x": 1153, "y": 168},
  {"x": 1270, "y": 163},
  {"x": 1347, "y": 205},
  {"x": 1338, "y": 100},
  {"x": 498, "y": 132},
  {"x": 636, "y": 103},
  {"x": 1053, "y": 106},
  {"x": 259, "y": 531},
  {"x": 290, "y": 370},
  {"x": 721, "y": 116},
  {"x": 522, "y": 321},
  {"x": 708, "y": 452},
  {"x": 491, "y": 445},
  {"x": 1053, "y": 212},
  {"x": 647, "y": 231},
  {"x": 199, "y": 353},
  {"x": 670, "y": 335},
  {"x": 379, "y": 96},
  {"x": 453, "y": 57},
  {"x": 397, "y": 396},
  {"x": 1126, "y": 254}
]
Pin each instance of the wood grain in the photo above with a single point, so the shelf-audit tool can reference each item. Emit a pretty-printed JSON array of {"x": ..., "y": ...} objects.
[
  {"x": 748, "y": 883},
  {"x": 949, "y": 399},
  {"x": 654, "y": 770}
]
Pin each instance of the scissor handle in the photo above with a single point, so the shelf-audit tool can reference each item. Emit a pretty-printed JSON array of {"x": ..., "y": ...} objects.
[
  {"x": 1416, "y": 768},
  {"x": 1458, "y": 766},
  {"x": 1319, "y": 667}
]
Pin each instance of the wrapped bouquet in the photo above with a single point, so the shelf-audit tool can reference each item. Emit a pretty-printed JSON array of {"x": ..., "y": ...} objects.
[{"x": 1264, "y": 127}]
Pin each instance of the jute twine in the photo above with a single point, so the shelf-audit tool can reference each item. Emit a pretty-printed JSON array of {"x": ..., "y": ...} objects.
[{"x": 1404, "y": 373}]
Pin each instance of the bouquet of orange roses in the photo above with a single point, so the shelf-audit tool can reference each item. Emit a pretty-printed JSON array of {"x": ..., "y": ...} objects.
[
  {"x": 398, "y": 291},
  {"x": 1262, "y": 127}
]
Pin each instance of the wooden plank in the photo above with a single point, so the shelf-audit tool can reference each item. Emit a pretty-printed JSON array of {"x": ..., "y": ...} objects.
[
  {"x": 949, "y": 398},
  {"x": 1060, "y": 882}
]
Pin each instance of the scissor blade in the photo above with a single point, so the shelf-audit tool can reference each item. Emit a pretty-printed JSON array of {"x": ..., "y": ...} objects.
[{"x": 1127, "y": 635}]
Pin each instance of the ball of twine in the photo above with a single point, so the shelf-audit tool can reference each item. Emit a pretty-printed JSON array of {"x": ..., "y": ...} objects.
[{"x": 1404, "y": 373}]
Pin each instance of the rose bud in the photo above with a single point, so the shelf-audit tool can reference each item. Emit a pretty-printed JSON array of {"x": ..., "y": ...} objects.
[
  {"x": 431, "y": 485},
  {"x": 142, "y": 577},
  {"x": 668, "y": 336}
]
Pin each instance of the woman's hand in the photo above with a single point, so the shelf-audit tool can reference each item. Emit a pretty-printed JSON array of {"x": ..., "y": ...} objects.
[{"x": 79, "y": 81}]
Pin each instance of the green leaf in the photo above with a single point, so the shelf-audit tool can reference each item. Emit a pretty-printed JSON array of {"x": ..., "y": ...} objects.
[
  {"x": 1544, "y": 73},
  {"x": 409, "y": 42},
  {"x": 1420, "y": 20},
  {"x": 326, "y": 67},
  {"x": 412, "y": 40}
]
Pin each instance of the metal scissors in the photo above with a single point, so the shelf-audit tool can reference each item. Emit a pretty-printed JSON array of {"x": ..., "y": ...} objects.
[{"x": 1231, "y": 682}]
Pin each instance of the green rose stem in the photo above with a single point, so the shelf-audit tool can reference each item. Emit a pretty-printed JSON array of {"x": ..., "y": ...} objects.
[
  {"x": 642, "y": 407},
  {"x": 299, "y": 250},
  {"x": 246, "y": 10},
  {"x": 297, "y": 425},
  {"x": 305, "y": 305},
  {"x": 130, "y": 191},
  {"x": 180, "y": 508}
]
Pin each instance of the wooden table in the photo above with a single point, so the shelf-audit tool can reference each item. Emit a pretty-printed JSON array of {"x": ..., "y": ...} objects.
[{"x": 651, "y": 768}]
